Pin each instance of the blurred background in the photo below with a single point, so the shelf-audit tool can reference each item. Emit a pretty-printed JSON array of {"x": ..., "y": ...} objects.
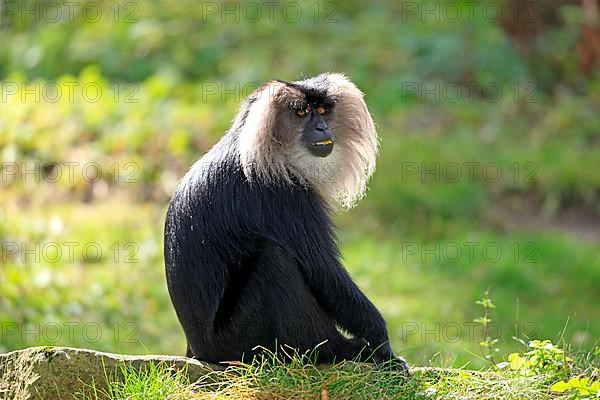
[{"x": 488, "y": 176}]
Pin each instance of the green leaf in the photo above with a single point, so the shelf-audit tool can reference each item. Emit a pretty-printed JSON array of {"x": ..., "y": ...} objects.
[{"x": 560, "y": 387}]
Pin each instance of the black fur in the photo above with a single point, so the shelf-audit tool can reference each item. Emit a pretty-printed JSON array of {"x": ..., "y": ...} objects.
[{"x": 251, "y": 264}]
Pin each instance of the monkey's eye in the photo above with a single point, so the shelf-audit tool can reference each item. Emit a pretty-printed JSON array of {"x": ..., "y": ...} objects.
[
  {"x": 303, "y": 112},
  {"x": 321, "y": 110}
]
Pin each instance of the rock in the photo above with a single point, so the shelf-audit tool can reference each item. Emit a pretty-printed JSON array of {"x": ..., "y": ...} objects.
[{"x": 62, "y": 372}]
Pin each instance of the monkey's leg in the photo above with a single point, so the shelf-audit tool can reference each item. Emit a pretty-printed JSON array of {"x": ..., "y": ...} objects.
[
  {"x": 296, "y": 318},
  {"x": 341, "y": 298},
  {"x": 333, "y": 297},
  {"x": 268, "y": 304}
]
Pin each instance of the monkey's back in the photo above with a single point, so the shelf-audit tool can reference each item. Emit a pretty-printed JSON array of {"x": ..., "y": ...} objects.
[
  {"x": 203, "y": 227},
  {"x": 220, "y": 230}
]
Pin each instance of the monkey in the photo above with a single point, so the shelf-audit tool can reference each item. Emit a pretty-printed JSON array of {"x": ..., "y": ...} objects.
[{"x": 250, "y": 248}]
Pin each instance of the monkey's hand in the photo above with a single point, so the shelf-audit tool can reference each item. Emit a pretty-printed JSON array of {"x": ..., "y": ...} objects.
[
  {"x": 391, "y": 362},
  {"x": 398, "y": 364}
]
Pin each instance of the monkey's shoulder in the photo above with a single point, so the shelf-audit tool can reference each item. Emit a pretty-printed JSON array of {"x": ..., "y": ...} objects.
[{"x": 218, "y": 189}]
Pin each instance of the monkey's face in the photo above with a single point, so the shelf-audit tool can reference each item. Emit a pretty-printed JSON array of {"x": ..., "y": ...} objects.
[
  {"x": 311, "y": 114},
  {"x": 315, "y": 132}
]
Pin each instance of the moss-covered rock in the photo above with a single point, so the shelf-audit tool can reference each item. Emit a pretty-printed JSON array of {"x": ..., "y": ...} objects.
[{"x": 62, "y": 372}]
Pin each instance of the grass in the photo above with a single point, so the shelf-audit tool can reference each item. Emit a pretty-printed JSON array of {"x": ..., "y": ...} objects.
[
  {"x": 153, "y": 381},
  {"x": 522, "y": 291},
  {"x": 269, "y": 378},
  {"x": 545, "y": 283},
  {"x": 427, "y": 303},
  {"x": 545, "y": 279}
]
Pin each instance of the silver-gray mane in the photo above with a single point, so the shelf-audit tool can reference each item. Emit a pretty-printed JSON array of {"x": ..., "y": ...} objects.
[{"x": 269, "y": 155}]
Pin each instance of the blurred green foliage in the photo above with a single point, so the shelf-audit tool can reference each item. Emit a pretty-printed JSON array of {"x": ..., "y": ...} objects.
[{"x": 170, "y": 76}]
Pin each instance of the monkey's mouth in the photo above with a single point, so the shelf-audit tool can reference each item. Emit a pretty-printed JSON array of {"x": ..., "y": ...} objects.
[{"x": 322, "y": 148}]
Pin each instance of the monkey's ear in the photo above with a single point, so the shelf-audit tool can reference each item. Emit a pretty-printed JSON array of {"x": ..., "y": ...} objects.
[
  {"x": 356, "y": 138},
  {"x": 256, "y": 132},
  {"x": 339, "y": 85},
  {"x": 355, "y": 123}
]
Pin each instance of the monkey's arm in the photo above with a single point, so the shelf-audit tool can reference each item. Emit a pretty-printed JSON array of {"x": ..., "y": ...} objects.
[
  {"x": 347, "y": 304},
  {"x": 337, "y": 293},
  {"x": 296, "y": 221}
]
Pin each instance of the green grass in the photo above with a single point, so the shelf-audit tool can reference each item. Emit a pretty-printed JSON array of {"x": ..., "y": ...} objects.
[
  {"x": 546, "y": 278},
  {"x": 543, "y": 212},
  {"x": 428, "y": 304},
  {"x": 269, "y": 378},
  {"x": 402, "y": 284},
  {"x": 153, "y": 381},
  {"x": 117, "y": 302}
]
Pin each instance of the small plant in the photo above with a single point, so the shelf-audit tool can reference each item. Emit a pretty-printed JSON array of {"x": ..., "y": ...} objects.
[
  {"x": 487, "y": 345},
  {"x": 543, "y": 358},
  {"x": 582, "y": 388}
]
